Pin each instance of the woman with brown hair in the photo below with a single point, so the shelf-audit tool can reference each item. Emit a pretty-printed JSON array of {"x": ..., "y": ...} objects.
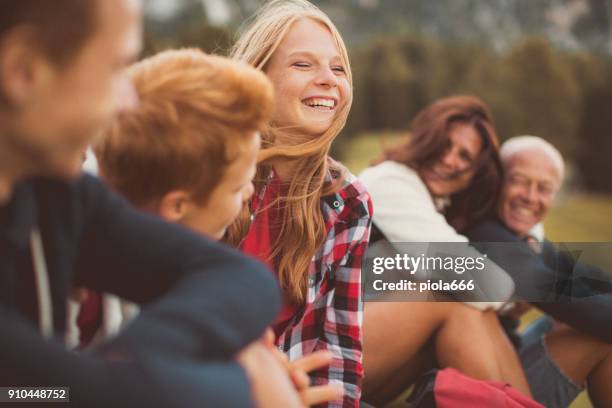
[
  {"x": 445, "y": 177},
  {"x": 454, "y": 150}
]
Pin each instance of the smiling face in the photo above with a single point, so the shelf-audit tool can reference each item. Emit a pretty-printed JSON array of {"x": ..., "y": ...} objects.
[
  {"x": 229, "y": 195},
  {"x": 454, "y": 170},
  {"x": 68, "y": 105},
  {"x": 309, "y": 78},
  {"x": 531, "y": 183}
]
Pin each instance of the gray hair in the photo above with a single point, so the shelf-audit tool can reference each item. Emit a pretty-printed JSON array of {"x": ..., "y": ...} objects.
[{"x": 518, "y": 144}]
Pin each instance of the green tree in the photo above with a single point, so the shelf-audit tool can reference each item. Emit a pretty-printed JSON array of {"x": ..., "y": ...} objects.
[
  {"x": 594, "y": 149},
  {"x": 544, "y": 93}
]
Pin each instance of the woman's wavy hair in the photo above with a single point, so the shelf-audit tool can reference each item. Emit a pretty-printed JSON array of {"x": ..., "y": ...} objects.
[
  {"x": 303, "y": 230},
  {"x": 429, "y": 141}
]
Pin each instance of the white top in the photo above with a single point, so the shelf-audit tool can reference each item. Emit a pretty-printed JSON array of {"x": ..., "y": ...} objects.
[
  {"x": 403, "y": 208},
  {"x": 404, "y": 211}
]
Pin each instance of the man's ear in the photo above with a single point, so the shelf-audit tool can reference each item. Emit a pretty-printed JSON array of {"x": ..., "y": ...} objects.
[
  {"x": 24, "y": 67},
  {"x": 175, "y": 205}
]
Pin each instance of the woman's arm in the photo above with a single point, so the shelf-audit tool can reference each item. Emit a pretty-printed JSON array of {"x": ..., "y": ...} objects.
[
  {"x": 343, "y": 305},
  {"x": 404, "y": 209},
  {"x": 539, "y": 283}
]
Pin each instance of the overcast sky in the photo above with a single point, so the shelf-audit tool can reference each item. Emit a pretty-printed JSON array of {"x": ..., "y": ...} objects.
[{"x": 218, "y": 11}]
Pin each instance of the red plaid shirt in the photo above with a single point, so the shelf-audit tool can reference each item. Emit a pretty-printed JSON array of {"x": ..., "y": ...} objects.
[{"x": 331, "y": 319}]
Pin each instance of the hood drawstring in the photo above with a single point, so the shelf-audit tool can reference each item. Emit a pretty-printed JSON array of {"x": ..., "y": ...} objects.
[{"x": 43, "y": 290}]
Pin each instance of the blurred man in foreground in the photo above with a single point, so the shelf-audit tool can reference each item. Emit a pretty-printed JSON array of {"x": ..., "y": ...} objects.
[{"x": 61, "y": 81}]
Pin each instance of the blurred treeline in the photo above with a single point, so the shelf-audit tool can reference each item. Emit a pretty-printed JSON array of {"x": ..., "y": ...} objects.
[
  {"x": 565, "y": 98},
  {"x": 532, "y": 88}
]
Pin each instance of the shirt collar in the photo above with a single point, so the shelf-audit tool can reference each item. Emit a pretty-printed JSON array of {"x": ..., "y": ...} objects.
[{"x": 335, "y": 201}]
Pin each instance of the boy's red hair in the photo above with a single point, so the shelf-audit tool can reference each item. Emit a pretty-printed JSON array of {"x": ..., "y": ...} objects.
[{"x": 195, "y": 113}]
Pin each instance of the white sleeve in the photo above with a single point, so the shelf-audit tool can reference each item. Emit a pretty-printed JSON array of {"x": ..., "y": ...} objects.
[
  {"x": 403, "y": 208},
  {"x": 405, "y": 212}
]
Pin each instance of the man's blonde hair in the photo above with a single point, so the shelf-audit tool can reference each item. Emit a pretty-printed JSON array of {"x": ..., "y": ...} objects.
[{"x": 195, "y": 113}]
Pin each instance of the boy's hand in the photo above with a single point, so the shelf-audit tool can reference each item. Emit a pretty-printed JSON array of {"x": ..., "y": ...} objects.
[
  {"x": 312, "y": 395},
  {"x": 298, "y": 372},
  {"x": 270, "y": 384}
]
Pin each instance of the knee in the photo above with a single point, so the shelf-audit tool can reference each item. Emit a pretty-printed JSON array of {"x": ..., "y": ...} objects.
[
  {"x": 581, "y": 340},
  {"x": 466, "y": 314}
]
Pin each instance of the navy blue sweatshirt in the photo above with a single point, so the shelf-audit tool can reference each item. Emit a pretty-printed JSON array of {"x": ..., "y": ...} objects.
[
  {"x": 572, "y": 292},
  {"x": 202, "y": 302}
]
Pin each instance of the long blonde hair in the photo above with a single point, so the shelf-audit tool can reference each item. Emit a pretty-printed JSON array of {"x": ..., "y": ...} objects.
[{"x": 303, "y": 229}]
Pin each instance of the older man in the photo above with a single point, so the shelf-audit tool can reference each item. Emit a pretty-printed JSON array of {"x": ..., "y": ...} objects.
[{"x": 563, "y": 357}]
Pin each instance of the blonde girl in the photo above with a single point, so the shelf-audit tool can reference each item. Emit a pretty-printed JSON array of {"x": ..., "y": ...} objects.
[{"x": 309, "y": 217}]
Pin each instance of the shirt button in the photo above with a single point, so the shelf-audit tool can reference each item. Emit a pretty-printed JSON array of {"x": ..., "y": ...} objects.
[
  {"x": 311, "y": 281},
  {"x": 336, "y": 204}
]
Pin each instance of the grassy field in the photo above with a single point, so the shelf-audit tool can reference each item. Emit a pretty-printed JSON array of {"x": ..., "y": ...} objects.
[
  {"x": 575, "y": 218},
  {"x": 359, "y": 152},
  {"x": 581, "y": 218}
]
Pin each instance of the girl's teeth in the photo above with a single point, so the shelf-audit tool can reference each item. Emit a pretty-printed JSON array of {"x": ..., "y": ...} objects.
[{"x": 326, "y": 103}]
